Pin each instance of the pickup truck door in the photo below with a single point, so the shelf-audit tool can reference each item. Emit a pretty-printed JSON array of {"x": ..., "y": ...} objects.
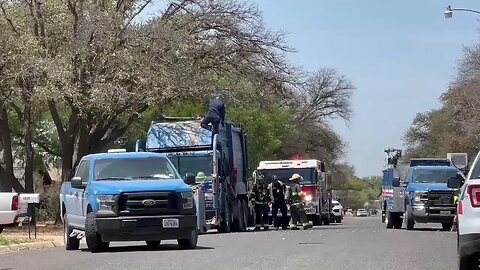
[{"x": 77, "y": 217}]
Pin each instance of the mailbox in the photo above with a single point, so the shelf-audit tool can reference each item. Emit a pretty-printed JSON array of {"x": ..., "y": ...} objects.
[{"x": 29, "y": 198}]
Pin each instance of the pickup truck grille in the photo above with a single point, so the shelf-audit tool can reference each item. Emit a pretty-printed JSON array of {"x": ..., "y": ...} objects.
[
  {"x": 440, "y": 198},
  {"x": 141, "y": 203}
]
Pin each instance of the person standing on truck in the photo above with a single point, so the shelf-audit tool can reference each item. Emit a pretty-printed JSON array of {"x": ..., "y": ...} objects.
[
  {"x": 296, "y": 203},
  {"x": 277, "y": 195},
  {"x": 260, "y": 198},
  {"x": 216, "y": 114}
]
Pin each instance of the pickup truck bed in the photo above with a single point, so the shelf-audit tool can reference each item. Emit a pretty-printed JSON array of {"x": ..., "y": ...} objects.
[{"x": 8, "y": 209}]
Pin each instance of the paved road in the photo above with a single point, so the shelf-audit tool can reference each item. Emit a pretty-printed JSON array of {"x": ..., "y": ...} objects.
[{"x": 358, "y": 243}]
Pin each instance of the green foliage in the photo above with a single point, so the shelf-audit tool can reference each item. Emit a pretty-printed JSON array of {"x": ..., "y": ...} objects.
[{"x": 267, "y": 130}]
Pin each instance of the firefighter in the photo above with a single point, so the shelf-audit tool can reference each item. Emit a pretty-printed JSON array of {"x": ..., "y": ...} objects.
[
  {"x": 277, "y": 195},
  {"x": 294, "y": 198},
  {"x": 216, "y": 114},
  {"x": 260, "y": 198}
]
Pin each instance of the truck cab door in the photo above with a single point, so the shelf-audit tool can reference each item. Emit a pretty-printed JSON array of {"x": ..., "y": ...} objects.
[{"x": 77, "y": 217}]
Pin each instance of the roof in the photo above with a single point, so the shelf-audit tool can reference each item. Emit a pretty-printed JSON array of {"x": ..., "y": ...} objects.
[
  {"x": 286, "y": 164},
  {"x": 124, "y": 155}
]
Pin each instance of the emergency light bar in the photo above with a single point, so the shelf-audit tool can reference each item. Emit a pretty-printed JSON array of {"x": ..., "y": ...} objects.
[{"x": 291, "y": 164}]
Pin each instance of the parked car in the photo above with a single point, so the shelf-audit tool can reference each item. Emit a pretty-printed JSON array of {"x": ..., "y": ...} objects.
[
  {"x": 337, "y": 212},
  {"x": 468, "y": 216},
  {"x": 362, "y": 213}
]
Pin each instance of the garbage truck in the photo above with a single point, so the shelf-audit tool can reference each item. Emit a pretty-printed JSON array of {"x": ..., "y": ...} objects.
[{"x": 216, "y": 163}]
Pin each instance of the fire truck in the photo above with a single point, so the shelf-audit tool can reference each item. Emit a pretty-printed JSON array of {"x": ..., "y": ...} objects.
[{"x": 316, "y": 184}]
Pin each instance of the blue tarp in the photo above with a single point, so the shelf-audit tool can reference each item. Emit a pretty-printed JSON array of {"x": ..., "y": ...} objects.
[{"x": 177, "y": 135}]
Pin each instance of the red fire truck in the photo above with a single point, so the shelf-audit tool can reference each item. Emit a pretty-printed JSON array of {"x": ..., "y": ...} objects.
[{"x": 316, "y": 184}]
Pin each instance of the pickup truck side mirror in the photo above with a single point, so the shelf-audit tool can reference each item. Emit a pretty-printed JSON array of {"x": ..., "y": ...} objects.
[
  {"x": 396, "y": 182},
  {"x": 455, "y": 182},
  {"x": 78, "y": 183}
]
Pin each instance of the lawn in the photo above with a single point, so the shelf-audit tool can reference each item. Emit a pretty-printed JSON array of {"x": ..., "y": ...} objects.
[{"x": 7, "y": 242}]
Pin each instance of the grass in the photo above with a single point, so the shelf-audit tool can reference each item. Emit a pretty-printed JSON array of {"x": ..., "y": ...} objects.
[{"x": 7, "y": 242}]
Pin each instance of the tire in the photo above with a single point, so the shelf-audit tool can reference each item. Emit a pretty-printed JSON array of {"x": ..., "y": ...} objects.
[
  {"x": 326, "y": 221},
  {"x": 409, "y": 222},
  {"x": 467, "y": 262},
  {"x": 93, "y": 239},
  {"x": 388, "y": 220},
  {"x": 226, "y": 226},
  {"x": 71, "y": 243},
  {"x": 447, "y": 226},
  {"x": 190, "y": 243},
  {"x": 317, "y": 220},
  {"x": 1, "y": 229},
  {"x": 153, "y": 244},
  {"x": 397, "y": 222}
]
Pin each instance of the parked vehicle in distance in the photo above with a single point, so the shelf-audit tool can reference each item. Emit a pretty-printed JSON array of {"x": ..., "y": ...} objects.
[
  {"x": 9, "y": 213},
  {"x": 127, "y": 197},
  {"x": 362, "y": 213},
  {"x": 468, "y": 216},
  {"x": 337, "y": 212}
]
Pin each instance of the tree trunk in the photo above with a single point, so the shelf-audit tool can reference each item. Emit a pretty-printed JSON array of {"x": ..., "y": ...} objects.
[
  {"x": 29, "y": 153},
  {"x": 8, "y": 180}
]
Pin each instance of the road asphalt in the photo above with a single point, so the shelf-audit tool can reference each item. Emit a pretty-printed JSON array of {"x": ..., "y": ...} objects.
[{"x": 357, "y": 244}]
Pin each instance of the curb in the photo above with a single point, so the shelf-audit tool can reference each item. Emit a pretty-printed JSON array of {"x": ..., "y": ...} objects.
[{"x": 29, "y": 246}]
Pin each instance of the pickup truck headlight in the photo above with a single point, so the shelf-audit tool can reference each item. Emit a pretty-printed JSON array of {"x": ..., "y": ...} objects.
[
  {"x": 106, "y": 202},
  {"x": 419, "y": 197},
  {"x": 187, "y": 200}
]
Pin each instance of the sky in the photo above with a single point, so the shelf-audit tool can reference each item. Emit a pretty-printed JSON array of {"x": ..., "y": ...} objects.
[{"x": 400, "y": 55}]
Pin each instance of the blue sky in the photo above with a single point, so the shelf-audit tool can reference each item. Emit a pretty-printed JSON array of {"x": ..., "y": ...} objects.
[{"x": 400, "y": 55}]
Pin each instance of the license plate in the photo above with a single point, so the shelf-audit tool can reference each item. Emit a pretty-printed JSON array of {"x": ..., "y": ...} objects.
[
  {"x": 445, "y": 213},
  {"x": 170, "y": 223}
]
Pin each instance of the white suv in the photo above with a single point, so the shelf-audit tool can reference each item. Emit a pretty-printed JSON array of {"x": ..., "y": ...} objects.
[
  {"x": 337, "y": 212},
  {"x": 468, "y": 216}
]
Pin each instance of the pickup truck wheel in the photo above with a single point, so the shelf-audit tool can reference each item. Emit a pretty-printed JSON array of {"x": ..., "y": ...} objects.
[
  {"x": 409, "y": 222},
  {"x": 1, "y": 229},
  {"x": 94, "y": 240},
  {"x": 190, "y": 243},
  {"x": 71, "y": 243},
  {"x": 447, "y": 226},
  {"x": 388, "y": 219},
  {"x": 153, "y": 244}
]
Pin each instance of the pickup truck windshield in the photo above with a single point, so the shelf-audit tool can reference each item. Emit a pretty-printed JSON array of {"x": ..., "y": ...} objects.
[
  {"x": 425, "y": 175},
  {"x": 134, "y": 169},
  {"x": 284, "y": 175},
  {"x": 193, "y": 164}
]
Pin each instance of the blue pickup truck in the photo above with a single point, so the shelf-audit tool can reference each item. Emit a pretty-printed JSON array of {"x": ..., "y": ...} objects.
[
  {"x": 127, "y": 197},
  {"x": 423, "y": 196}
]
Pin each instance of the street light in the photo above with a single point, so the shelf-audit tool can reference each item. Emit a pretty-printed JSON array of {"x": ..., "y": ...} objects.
[{"x": 449, "y": 12}]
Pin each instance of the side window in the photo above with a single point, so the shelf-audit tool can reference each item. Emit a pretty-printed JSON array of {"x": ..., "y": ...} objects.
[{"x": 83, "y": 170}]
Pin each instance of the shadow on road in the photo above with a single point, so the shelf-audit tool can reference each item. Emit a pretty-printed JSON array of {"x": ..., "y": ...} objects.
[{"x": 165, "y": 247}]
